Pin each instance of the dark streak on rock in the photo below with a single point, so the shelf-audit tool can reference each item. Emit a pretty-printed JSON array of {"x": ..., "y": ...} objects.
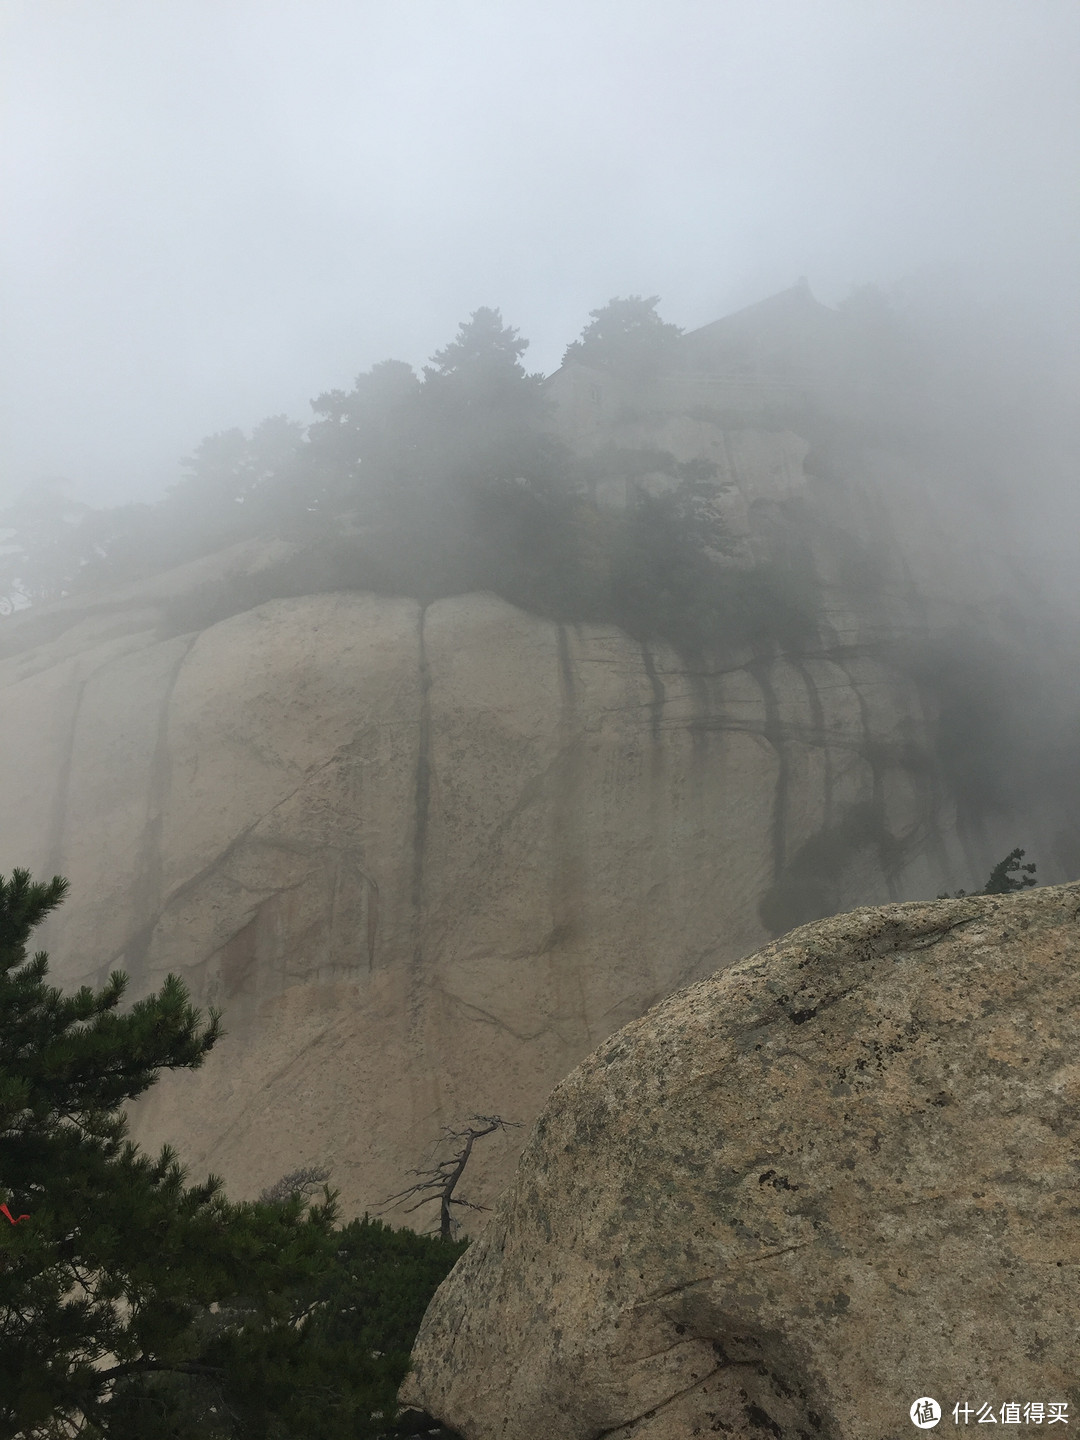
[
  {"x": 63, "y": 786},
  {"x": 773, "y": 732},
  {"x": 817, "y": 715},
  {"x": 422, "y": 790},
  {"x": 656, "y": 708},
  {"x": 760, "y": 1420},
  {"x": 421, "y": 815},
  {"x": 872, "y": 752},
  {"x": 568, "y": 777},
  {"x": 566, "y": 669},
  {"x": 705, "y": 720},
  {"x": 625, "y": 1425},
  {"x": 146, "y": 888},
  {"x": 373, "y": 909}
]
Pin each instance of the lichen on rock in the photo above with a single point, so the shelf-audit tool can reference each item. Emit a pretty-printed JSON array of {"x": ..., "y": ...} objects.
[{"x": 791, "y": 1199}]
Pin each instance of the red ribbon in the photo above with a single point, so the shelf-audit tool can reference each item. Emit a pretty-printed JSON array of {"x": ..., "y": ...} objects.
[{"x": 9, "y": 1215}]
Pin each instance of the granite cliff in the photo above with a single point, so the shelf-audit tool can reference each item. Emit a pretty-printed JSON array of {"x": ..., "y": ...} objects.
[{"x": 427, "y": 854}]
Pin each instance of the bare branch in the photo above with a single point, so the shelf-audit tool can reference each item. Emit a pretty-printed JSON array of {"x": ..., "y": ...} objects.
[{"x": 438, "y": 1182}]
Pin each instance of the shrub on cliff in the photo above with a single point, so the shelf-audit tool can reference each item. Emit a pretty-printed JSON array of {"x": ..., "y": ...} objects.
[{"x": 1007, "y": 875}]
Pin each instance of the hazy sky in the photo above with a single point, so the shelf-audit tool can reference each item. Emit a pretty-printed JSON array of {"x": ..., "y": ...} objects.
[{"x": 212, "y": 210}]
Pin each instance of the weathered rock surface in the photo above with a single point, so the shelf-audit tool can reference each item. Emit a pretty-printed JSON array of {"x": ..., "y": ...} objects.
[
  {"x": 426, "y": 859},
  {"x": 791, "y": 1199}
]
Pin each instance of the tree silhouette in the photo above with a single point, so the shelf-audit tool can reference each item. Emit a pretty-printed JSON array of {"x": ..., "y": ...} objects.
[
  {"x": 1007, "y": 876},
  {"x": 438, "y": 1182},
  {"x": 625, "y": 334},
  {"x": 133, "y": 1307}
]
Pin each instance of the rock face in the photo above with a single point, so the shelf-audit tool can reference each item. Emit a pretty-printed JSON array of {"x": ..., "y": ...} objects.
[
  {"x": 794, "y": 1198},
  {"x": 790, "y": 404},
  {"x": 425, "y": 860}
]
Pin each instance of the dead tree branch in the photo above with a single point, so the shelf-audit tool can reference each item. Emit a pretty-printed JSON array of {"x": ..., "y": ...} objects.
[{"x": 438, "y": 1182}]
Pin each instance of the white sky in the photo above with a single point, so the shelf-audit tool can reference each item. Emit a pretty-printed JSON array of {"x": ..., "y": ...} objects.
[{"x": 211, "y": 210}]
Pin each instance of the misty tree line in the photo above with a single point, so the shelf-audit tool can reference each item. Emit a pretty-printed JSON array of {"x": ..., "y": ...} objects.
[
  {"x": 456, "y": 481},
  {"x": 440, "y": 484}
]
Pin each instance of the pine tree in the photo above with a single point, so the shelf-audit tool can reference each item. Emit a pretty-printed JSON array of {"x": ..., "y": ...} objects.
[
  {"x": 100, "y": 1277},
  {"x": 625, "y": 335},
  {"x": 1007, "y": 876},
  {"x": 134, "y": 1307},
  {"x": 485, "y": 355}
]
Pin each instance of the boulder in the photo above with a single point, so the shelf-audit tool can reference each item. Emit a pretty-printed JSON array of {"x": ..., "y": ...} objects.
[{"x": 794, "y": 1198}]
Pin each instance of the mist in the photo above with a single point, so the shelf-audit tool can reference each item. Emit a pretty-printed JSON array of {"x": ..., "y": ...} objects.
[
  {"x": 507, "y": 513},
  {"x": 213, "y": 213}
]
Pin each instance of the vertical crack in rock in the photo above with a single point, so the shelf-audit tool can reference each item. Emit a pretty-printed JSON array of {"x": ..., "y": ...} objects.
[
  {"x": 373, "y": 906},
  {"x": 422, "y": 789},
  {"x": 146, "y": 884},
  {"x": 656, "y": 706},
  {"x": 659, "y": 871},
  {"x": 421, "y": 810},
  {"x": 774, "y": 733},
  {"x": 704, "y": 719},
  {"x": 568, "y": 849},
  {"x": 872, "y": 750},
  {"x": 821, "y": 738},
  {"x": 58, "y": 820}
]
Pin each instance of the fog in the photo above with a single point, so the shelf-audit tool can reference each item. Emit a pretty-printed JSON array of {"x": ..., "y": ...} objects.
[
  {"x": 435, "y": 711},
  {"x": 214, "y": 212}
]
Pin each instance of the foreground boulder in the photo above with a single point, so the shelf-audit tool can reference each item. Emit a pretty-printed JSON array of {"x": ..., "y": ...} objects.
[{"x": 792, "y": 1199}]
